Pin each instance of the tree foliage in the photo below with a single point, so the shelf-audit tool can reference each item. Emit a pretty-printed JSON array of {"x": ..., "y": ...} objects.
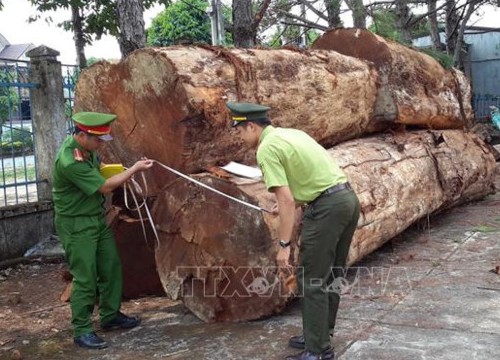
[
  {"x": 182, "y": 21},
  {"x": 385, "y": 24},
  {"x": 90, "y": 19},
  {"x": 100, "y": 16},
  {"x": 185, "y": 21},
  {"x": 9, "y": 99},
  {"x": 291, "y": 35}
]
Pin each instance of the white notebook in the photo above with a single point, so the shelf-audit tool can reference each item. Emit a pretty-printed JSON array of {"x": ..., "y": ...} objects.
[{"x": 243, "y": 170}]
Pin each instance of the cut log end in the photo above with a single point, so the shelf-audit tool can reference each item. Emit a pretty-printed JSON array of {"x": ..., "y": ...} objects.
[{"x": 218, "y": 255}]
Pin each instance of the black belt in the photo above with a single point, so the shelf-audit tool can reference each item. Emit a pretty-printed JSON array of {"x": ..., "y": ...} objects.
[{"x": 332, "y": 190}]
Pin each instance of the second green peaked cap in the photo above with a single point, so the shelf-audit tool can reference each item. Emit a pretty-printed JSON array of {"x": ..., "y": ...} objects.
[
  {"x": 246, "y": 111},
  {"x": 93, "y": 118},
  {"x": 95, "y": 123}
]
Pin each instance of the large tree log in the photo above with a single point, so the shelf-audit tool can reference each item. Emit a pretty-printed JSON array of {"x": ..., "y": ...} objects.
[
  {"x": 171, "y": 101},
  {"x": 218, "y": 256},
  {"x": 414, "y": 88}
]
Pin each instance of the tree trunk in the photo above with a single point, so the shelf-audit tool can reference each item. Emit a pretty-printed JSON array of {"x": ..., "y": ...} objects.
[
  {"x": 402, "y": 12},
  {"x": 333, "y": 12},
  {"x": 219, "y": 256},
  {"x": 358, "y": 13},
  {"x": 243, "y": 32},
  {"x": 170, "y": 102},
  {"x": 433, "y": 25},
  {"x": 406, "y": 75},
  {"x": 451, "y": 26},
  {"x": 76, "y": 20},
  {"x": 131, "y": 25},
  {"x": 457, "y": 59}
]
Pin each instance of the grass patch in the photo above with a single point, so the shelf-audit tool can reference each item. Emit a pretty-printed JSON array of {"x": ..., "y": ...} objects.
[
  {"x": 19, "y": 174},
  {"x": 444, "y": 59}
]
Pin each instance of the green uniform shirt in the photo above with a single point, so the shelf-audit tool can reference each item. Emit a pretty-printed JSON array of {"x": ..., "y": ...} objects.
[
  {"x": 76, "y": 183},
  {"x": 289, "y": 157}
]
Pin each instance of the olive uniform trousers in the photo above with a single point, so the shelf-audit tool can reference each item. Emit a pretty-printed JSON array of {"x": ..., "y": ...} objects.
[
  {"x": 95, "y": 265},
  {"x": 328, "y": 227}
]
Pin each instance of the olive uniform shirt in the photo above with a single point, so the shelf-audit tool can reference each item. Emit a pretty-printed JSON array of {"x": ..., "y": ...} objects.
[
  {"x": 77, "y": 182},
  {"x": 289, "y": 157}
]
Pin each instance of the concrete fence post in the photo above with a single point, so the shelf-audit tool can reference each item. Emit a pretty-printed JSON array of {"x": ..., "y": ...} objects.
[{"x": 47, "y": 111}]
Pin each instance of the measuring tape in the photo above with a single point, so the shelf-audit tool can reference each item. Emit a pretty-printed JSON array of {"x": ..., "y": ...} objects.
[{"x": 137, "y": 189}]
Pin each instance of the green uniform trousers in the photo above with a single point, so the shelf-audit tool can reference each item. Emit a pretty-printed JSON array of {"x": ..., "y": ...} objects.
[
  {"x": 328, "y": 227},
  {"x": 95, "y": 265}
]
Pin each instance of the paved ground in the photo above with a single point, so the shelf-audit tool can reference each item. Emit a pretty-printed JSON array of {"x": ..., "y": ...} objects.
[{"x": 429, "y": 294}]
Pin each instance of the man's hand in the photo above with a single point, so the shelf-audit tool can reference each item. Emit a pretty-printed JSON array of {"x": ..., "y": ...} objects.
[
  {"x": 283, "y": 256},
  {"x": 142, "y": 165},
  {"x": 117, "y": 180}
]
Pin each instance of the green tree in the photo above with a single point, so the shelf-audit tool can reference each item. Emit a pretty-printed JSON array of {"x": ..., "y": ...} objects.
[
  {"x": 183, "y": 21},
  {"x": 290, "y": 35},
  {"x": 89, "y": 19},
  {"x": 9, "y": 99},
  {"x": 385, "y": 24}
]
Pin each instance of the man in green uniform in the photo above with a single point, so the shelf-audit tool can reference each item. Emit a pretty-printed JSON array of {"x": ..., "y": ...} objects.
[
  {"x": 300, "y": 171},
  {"x": 80, "y": 223}
]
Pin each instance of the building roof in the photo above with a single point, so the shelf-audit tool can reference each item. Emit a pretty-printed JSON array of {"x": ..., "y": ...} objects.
[
  {"x": 480, "y": 29},
  {"x": 3, "y": 41},
  {"x": 15, "y": 52}
]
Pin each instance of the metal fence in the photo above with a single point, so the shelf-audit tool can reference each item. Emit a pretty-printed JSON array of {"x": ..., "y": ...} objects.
[
  {"x": 18, "y": 170},
  {"x": 481, "y": 105},
  {"x": 70, "y": 75}
]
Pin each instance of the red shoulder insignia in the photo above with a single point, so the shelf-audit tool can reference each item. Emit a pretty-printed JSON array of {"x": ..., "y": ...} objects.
[{"x": 78, "y": 155}]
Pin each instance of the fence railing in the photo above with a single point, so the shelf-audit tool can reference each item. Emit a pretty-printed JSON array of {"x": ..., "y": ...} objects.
[
  {"x": 70, "y": 75},
  {"x": 481, "y": 105},
  {"x": 18, "y": 175},
  {"x": 18, "y": 169}
]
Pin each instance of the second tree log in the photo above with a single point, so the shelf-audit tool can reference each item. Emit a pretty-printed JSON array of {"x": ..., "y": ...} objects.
[{"x": 219, "y": 256}]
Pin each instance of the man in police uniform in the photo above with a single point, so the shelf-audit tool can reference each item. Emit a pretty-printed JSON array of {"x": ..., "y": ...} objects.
[
  {"x": 300, "y": 171},
  {"x": 80, "y": 223}
]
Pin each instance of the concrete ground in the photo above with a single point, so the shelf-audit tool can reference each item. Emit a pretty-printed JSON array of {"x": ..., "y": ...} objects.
[{"x": 429, "y": 294}]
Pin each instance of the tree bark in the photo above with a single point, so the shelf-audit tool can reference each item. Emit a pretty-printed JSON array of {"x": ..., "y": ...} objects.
[
  {"x": 131, "y": 24},
  {"x": 243, "y": 32},
  {"x": 433, "y": 25},
  {"x": 402, "y": 12},
  {"x": 78, "y": 37},
  {"x": 457, "y": 59},
  {"x": 406, "y": 75},
  {"x": 451, "y": 26},
  {"x": 333, "y": 11},
  {"x": 219, "y": 256},
  {"x": 358, "y": 13}
]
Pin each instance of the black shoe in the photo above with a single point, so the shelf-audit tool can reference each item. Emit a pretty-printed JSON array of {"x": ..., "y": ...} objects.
[
  {"x": 121, "y": 321},
  {"x": 90, "y": 341},
  {"x": 298, "y": 342},
  {"x": 307, "y": 355}
]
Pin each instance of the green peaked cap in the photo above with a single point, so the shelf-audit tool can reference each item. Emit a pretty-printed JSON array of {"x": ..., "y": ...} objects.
[
  {"x": 93, "y": 118},
  {"x": 246, "y": 111}
]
